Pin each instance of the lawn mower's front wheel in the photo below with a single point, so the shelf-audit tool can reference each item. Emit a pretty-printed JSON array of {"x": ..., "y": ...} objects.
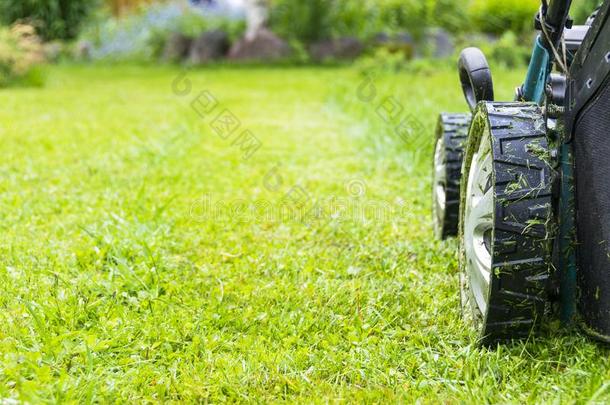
[
  {"x": 451, "y": 134},
  {"x": 506, "y": 221}
]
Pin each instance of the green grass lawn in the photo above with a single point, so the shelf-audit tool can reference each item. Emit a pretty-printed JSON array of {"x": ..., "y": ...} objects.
[{"x": 149, "y": 255}]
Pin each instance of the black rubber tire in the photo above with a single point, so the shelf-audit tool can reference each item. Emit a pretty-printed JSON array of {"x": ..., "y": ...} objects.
[
  {"x": 451, "y": 134},
  {"x": 475, "y": 77},
  {"x": 521, "y": 238}
]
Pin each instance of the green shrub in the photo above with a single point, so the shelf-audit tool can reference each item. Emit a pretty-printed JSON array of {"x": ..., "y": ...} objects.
[
  {"x": 53, "y": 19},
  {"x": 509, "y": 52},
  {"x": 449, "y": 14},
  {"x": 354, "y": 18},
  {"x": 499, "y": 16},
  {"x": 314, "y": 20},
  {"x": 403, "y": 15},
  {"x": 21, "y": 56},
  {"x": 320, "y": 19},
  {"x": 306, "y": 21}
]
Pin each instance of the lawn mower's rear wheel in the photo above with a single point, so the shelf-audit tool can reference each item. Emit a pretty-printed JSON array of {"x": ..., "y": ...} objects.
[
  {"x": 451, "y": 134},
  {"x": 505, "y": 221}
]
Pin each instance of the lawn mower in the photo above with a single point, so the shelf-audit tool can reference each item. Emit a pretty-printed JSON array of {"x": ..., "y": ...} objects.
[{"x": 525, "y": 184}]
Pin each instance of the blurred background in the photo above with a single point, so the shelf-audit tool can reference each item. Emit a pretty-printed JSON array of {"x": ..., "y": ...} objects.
[{"x": 390, "y": 34}]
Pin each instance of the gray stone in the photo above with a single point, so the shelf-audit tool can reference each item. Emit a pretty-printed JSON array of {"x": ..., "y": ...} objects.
[
  {"x": 381, "y": 39},
  {"x": 210, "y": 46},
  {"x": 176, "y": 47},
  {"x": 476, "y": 39},
  {"x": 346, "y": 48},
  {"x": 262, "y": 46},
  {"x": 440, "y": 43}
]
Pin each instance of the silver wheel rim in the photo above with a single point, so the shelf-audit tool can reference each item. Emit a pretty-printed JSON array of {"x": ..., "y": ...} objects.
[
  {"x": 478, "y": 223},
  {"x": 440, "y": 184}
]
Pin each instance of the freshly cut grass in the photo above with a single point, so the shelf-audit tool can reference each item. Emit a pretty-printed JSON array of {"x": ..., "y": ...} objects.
[{"x": 134, "y": 267}]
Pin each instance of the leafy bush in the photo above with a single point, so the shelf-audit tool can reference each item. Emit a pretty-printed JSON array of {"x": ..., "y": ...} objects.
[
  {"x": 509, "y": 52},
  {"x": 353, "y": 18},
  {"x": 53, "y": 19},
  {"x": 499, "y": 16},
  {"x": 21, "y": 55},
  {"x": 304, "y": 21},
  {"x": 401, "y": 15},
  {"x": 449, "y": 14},
  {"x": 415, "y": 15},
  {"x": 314, "y": 20}
]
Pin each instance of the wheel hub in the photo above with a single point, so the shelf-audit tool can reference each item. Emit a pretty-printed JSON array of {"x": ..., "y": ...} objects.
[
  {"x": 478, "y": 223},
  {"x": 440, "y": 182}
]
